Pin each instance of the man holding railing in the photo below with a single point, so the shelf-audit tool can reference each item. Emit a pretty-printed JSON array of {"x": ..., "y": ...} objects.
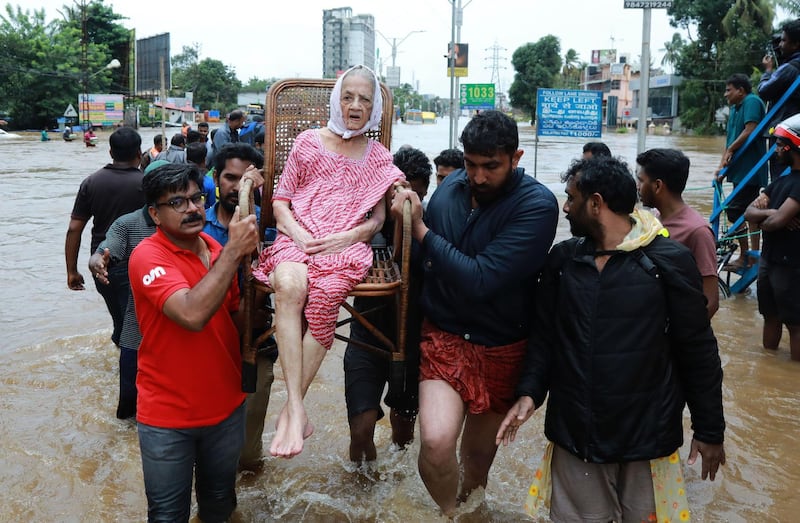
[{"x": 746, "y": 111}]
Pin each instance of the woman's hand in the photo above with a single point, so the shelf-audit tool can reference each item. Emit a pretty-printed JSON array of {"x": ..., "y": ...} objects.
[
  {"x": 301, "y": 238},
  {"x": 331, "y": 244}
]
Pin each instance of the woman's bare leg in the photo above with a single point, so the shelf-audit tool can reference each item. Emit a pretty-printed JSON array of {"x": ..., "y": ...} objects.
[{"x": 290, "y": 281}]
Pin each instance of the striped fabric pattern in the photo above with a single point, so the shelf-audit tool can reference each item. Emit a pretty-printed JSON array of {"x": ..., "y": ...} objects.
[
  {"x": 122, "y": 237},
  {"x": 329, "y": 193}
]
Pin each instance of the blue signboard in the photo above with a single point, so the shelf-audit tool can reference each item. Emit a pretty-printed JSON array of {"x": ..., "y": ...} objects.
[{"x": 569, "y": 112}]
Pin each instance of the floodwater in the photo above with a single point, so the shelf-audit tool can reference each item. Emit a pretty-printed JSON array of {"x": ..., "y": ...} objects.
[{"x": 65, "y": 458}]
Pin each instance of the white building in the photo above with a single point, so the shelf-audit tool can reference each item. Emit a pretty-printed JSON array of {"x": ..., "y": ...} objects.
[{"x": 347, "y": 40}]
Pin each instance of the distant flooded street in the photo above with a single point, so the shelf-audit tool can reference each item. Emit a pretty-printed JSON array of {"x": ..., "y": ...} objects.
[{"x": 66, "y": 458}]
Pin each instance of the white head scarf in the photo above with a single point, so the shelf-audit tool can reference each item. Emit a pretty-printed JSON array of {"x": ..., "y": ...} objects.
[{"x": 336, "y": 121}]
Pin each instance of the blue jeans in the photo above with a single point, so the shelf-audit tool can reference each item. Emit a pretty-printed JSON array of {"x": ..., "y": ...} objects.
[{"x": 170, "y": 455}]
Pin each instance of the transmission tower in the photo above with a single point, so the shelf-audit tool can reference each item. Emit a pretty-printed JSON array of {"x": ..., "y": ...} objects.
[{"x": 495, "y": 66}]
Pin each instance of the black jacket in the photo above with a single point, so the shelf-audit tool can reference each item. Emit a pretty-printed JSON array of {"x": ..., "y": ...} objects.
[
  {"x": 481, "y": 264},
  {"x": 774, "y": 84},
  {"x": 622, "y": 351}
]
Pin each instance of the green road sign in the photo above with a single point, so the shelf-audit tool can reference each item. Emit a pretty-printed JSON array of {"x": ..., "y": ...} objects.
[{"x": 477, "y": 96}]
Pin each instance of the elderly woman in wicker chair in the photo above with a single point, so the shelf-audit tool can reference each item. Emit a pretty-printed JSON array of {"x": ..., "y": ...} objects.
[{"x": 330, "y": 201}]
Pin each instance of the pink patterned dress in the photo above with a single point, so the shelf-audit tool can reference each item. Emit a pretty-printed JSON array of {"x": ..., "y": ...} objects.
[{"x": 329, "y": 193}]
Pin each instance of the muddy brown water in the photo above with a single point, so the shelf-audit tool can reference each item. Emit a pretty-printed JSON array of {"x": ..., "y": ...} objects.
[{"x": 65, "y": 458}]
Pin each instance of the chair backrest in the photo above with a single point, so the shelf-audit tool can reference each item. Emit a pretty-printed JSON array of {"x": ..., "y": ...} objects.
[{"x": 294, "y": 105}]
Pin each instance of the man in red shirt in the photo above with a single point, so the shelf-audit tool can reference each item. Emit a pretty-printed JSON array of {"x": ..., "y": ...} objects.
[{"x": 190, "y": 406}]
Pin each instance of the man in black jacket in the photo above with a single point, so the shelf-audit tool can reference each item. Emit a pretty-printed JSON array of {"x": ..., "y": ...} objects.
[
  {"x": 776, "y": 81},
  {"x": 621, "y": 341},
  {"x": 484, "y": 238}
]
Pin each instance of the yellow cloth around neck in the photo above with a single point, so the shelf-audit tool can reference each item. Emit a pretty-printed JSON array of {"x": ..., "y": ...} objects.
[{"x": 645, "y": 228}]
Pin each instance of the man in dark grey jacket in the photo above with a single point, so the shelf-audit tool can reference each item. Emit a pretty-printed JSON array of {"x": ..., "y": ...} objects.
[
  {"x": 486, "y": 233},
  {"x": 776, "y": 81},
  {"x": 227, "y": 133},
  {"x": 622, "y": 342}
]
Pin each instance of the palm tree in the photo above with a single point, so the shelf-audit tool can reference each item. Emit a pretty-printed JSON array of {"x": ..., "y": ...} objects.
[
  {"x": 758, "y": 13},
  {"x": 672, "y": 51},
  {"x": 791, "y": 6},
  {"x": 571, "y": 68}
]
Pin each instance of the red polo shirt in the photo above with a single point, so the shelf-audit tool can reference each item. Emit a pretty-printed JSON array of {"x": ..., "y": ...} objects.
[{"x": 185, "y": 379}]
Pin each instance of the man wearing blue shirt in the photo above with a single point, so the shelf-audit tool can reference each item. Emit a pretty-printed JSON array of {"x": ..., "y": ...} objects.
[{"x": 232, "y": 163}]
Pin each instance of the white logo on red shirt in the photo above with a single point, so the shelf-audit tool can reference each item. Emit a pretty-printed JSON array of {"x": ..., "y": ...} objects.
[{"x": 154, "y": 273}]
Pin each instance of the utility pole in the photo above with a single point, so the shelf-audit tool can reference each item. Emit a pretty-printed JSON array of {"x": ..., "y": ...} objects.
[
  {"x": 394, "y": 44},
  {"x": 455, "y": 37},
  {"x": 84, "y": 106},
  {"x": 451, "y": 62},
  {"x": 644, "y": 77}
]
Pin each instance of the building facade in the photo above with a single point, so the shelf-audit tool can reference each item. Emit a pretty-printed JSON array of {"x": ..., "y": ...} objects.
[
  {"x": 614, "y": 80},
  {"x": 347, "y": 40}
]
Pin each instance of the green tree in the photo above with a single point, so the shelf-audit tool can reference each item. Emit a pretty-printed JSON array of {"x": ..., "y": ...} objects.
[
  {"x": 110, "y": 40},
  {"x": 218, "y": 87},
  {"x": 748, "y": 15},
  {"x": 42, "y": 64},
  {"x": 536, "y": 65},
  {"x": 571, "y": 72},
  {"x": 185, "y": 69},
  {"x": 730, "y": 38},
  {"x": 791, "y": 6},
  {"x": 214, "y": 84},
  {"x": 672, "y": 51},
  {"x": 39, "y": 66},
  {"x": 260, "y": 85},
  {"x": 405, "y": 97}
]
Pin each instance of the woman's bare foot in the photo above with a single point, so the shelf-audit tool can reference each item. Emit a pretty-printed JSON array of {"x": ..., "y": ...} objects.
[{"x": 292, "y": 428}]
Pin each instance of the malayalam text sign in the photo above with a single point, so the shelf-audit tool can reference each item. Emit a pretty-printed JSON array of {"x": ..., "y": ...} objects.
[
  {"x": 477, "y": 96},
  {"x": 569, "y": 112}
]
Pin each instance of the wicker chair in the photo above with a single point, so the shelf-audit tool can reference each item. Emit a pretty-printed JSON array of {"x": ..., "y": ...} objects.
[{"x": 293, "y": 106}]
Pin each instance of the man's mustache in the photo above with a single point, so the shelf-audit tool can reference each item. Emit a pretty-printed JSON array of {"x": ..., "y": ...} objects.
[{"x": 194, "y": 217}]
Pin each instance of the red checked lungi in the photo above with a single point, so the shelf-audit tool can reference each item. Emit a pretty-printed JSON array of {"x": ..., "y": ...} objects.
[{"x": 484, "y": 377}]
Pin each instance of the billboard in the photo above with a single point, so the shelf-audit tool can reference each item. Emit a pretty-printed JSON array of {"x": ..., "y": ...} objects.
[
  {"x": 569, "y": 112},
  {"x": 459, "y": 59},
  {"x": 101, "y": 109},
  {"x": 604, "y": 56},
  {"x": 151, "y": 53},
  {"x": 392, "y": 76}
]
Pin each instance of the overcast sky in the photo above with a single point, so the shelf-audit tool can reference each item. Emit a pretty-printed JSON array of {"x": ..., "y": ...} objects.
[{"x": 278, "y": 38}]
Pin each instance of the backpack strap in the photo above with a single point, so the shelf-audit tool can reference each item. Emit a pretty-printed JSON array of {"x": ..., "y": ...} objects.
[{"x": 646, "y": 263}]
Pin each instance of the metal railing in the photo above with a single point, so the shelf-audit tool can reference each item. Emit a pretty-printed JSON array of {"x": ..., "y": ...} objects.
[{"x": 749, "y": 275}]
